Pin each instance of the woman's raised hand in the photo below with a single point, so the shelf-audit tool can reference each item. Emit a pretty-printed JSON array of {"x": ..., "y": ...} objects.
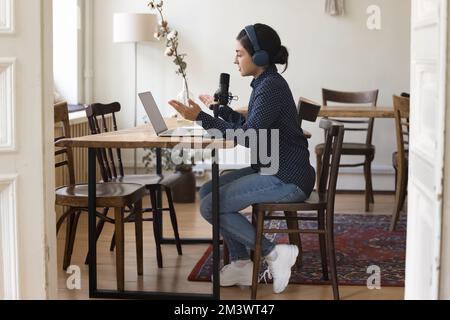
[{"x": 189, "y": 113}]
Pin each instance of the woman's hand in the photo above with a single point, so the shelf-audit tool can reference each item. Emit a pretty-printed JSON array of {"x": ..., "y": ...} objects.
[
  {"x": 189, "y": 113},
  {"x": 207, "y": 100}
]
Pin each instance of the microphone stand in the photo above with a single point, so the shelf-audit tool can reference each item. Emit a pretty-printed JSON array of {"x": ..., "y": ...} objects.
[{"x": 215, "y": 214}]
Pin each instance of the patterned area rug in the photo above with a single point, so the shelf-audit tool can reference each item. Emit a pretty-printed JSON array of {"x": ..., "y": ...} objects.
[{"x": 361, "y": 241}]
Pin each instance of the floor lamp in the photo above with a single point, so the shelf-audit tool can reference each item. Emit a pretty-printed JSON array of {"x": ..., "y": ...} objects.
[{"x": 134, "y": 28}]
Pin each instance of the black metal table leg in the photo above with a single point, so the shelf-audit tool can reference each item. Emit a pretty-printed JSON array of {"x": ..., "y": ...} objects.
[
  {"x": 158, "y": 190},
  {"x": 92, "y": 186},
  {"x": 216, "y": 225}
]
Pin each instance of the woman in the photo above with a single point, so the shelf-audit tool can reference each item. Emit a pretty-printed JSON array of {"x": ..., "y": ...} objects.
[{"x": 272, "y": 107}]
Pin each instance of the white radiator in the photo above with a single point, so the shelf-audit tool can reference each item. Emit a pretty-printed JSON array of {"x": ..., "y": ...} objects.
[{"x": 79, "y": 127}]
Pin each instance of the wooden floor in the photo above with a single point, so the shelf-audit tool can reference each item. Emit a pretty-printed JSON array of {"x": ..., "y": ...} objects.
[{"x": 173, "y": 277}]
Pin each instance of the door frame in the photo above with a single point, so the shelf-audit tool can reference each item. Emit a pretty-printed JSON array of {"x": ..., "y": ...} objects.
[
  {"x": 442, "y": 283},
  {"x": 444, "y": 279},
  {"x": 51, "y": 269},
  {"x": 27, "y": 214},
  {"x": 425, "y": 231}
]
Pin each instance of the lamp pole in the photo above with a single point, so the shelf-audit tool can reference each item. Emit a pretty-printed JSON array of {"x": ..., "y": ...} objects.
[
  {"x": 134, "y": 28},
  {"x": 135, "y": 102}
]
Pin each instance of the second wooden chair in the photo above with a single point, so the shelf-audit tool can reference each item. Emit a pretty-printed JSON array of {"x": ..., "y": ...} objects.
[
  {"x": 365, "y": 149},
  {"x": 115, "y": 195},
  {"x": 111, "y": 168}
]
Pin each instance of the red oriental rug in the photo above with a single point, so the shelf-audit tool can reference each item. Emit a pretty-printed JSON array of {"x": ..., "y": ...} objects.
[{"x": 361, "y": 241}]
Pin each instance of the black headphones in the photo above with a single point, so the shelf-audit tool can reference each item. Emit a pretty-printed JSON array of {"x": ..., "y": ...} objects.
[{"x": 260, "y": 57}]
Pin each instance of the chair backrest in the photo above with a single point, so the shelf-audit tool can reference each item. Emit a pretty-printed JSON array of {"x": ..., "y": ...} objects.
[
  {"x": 334, "y": 137},
  {"x": 307, "y": 110},
  {"x": 110, "y": 167},
  {"x": 364, "y": 97},
  {"x": 61, "y": 116},
  {"x": 401, "y": 111}
]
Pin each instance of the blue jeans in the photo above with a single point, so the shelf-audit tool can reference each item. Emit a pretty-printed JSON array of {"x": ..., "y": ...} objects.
[{"x": 239, "y": 190}]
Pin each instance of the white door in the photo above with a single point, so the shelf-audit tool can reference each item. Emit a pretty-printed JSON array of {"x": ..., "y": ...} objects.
[
  {"x": 426, "y": 154},
  {"x": 27, "y": 239}
]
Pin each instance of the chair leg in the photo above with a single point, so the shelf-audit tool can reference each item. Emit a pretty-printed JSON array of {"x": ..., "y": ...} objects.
[
  {"x": 372, "y": 197},
  {"x": 368, "y": 192},
  {"x": 156, "y": 227},
  {"x": 70, "y": 220},
  {"x": 173, "y": 219},
  {"x": 98, "y": 231},
  {"x": 139, "y": 237},
  {"x": 400, "y": 195},
  {"x": 66, "y": 259},
  {"x": 113, "y": 243},
  {"x": 63, "y": 217},
  {"x": 113, "y": 240},
  {"x": 73, "y": 235},
  {"x": 120, "y": 248},
  {"x": 258, "y": 252},
  {"x": 405, "y": 188},
  {"x": 396, "y": 177},
  {"x": 294, "y": 238},
  {"x": 318, "y": 169},
  {"x": 323, "y": 244},
  {"x": 226, "y": 254},
  {"x": 254, "y": 219},
  {"x": 332, "y": 253}
]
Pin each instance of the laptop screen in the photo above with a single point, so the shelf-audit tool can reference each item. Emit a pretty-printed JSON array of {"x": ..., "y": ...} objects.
[{"x": 157, "y": 120}]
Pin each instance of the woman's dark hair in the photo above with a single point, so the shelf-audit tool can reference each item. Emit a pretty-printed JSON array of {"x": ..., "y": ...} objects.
[{"x": 269, "y": 41}]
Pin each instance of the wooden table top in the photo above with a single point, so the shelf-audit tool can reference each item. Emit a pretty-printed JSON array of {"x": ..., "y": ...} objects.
[
  {"x": 144, "y": 137},
  {"x": 350, "y": 111},
  {"x": 357, "y": 112}
]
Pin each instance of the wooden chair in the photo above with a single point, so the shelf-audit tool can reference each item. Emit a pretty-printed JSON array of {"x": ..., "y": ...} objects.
[
  {"x": 366, "y": 149},
  {"x": 321, "y": 201},
  {"x": 115, "y": 195},
  {"x": 308, "y": 111},
  {"x": 111, "y": 169},
  {"x": 400, "y": 158}
]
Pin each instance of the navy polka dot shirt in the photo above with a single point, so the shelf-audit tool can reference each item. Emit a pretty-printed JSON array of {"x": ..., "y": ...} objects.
[{"x": 272, "y": 106}]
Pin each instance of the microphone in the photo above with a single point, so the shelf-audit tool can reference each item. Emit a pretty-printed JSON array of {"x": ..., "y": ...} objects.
[{"x": 222, "y": 95}]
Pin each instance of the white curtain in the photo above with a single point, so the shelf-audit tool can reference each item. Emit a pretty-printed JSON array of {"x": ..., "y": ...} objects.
[{"x": 335, "y": 7}]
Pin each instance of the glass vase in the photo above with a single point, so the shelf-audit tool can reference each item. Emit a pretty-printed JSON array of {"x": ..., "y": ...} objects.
[{"x": 183, "y": 96}]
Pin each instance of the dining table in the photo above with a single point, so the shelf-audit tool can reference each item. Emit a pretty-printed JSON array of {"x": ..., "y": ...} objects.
[
  {"x": 355, "y": 111},
  {"x": 145, "y": 137},
  {"x": 348, "y": 111}
]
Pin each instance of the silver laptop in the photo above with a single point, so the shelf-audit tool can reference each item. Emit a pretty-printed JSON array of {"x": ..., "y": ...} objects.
[{"x": 159, "y": 125}]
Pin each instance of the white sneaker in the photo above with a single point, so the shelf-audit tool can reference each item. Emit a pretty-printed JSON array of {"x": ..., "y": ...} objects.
[
  {"x": 280, "y": 266},
  {"x": 237, "y": 273}
]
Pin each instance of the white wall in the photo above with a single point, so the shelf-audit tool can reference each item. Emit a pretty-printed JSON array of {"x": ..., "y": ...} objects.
[{"x": 338, "y": 53}]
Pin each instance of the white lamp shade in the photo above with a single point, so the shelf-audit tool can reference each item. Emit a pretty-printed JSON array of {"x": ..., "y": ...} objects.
[{"x": 134, "y": 27}]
